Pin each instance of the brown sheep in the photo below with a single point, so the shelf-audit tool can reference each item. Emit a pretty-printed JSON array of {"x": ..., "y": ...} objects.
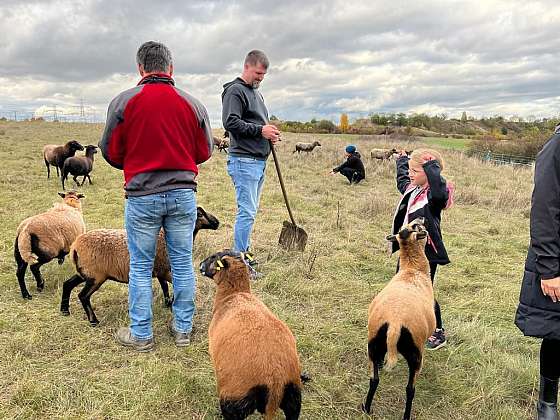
[
  {"x": 306, "y": 147},
  {"x": 254, "y": 353},
  {"x": 54, "y": 154},
  {"x": 102, "y": 254},
  {"x": 401, "y": 317},
  {"x": 46, "y": 236},
  {"x": 383, "y": 154}
]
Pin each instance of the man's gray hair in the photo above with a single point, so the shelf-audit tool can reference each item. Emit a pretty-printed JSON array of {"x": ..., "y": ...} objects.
[
  {"x": 154, "y": 57},
  {"x": 256, "y": 56}
]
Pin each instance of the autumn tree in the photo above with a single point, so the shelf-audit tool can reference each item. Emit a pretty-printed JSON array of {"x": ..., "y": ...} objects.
[{"x": 344, "y": 123}]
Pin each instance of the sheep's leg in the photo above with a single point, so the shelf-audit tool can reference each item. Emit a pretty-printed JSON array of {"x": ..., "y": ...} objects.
[
  {"x": 75, "y": 178},
  {"x": 413, "y": 356},
  {"x": 20, "y": 273},
  {"x": 48, "y": 168},
  {"x": 67, "y": 288},
  {"x": 37, "y": 274},
  {"x": 373, "y": 383},
  {"x": 291, "y": 402},
  {"x": 57, "y": 173},
  {"x": 89, "y": 179},
  {"x": 163, "y": 282},
  {"x": 63, "y": 178},
  {"x": 85, "y": 295}
]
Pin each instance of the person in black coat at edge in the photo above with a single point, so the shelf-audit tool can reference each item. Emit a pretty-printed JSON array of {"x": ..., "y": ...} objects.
[
  {"x": 352, "y": 168},
  {"x": 538, "y": 313}
]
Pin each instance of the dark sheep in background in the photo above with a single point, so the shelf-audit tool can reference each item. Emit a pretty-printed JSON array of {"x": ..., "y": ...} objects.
[
  {"x": 79, "y": 165},
  {"x": 54, "y": 154}
]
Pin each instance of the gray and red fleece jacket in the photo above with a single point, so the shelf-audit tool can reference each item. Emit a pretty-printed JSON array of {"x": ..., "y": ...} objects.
[{"x": 157, "y": 134}]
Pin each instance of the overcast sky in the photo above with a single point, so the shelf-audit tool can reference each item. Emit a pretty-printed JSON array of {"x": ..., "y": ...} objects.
[{"x": 327, "y": 57}]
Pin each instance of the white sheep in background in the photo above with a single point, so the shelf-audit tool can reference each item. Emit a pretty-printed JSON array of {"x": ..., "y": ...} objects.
[{"x": 306, "y": 147}]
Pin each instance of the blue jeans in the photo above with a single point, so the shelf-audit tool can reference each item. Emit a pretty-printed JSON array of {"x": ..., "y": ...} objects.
[
  {"x": 175, "y": 212},
  {"x": 247, "y": 175}
]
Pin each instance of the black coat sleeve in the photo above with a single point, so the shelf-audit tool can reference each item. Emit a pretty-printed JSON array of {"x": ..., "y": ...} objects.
[
  {"x": 545, "y": 210},
  {"x": 403, "y": 180},
  {"x": 438, "y": 194},
  {"x": 342, "y": 166},
  {"x": 233, "y": 103}
]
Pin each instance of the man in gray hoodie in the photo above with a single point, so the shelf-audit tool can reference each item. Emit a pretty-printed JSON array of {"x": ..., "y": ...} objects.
[{"x": 245, "y": 117}]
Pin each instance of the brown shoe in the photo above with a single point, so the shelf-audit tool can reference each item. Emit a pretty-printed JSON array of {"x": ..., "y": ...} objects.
[
  {"x": 181, "y": 339},
  {"x": 125, "y": 338}
]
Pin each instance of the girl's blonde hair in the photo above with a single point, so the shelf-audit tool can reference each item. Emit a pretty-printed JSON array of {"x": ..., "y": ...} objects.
[{"x": 421, "y": 155}]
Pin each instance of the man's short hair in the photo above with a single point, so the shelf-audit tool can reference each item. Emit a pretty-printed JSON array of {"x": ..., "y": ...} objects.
[
  {"x": 154, "y": 57},
  {"x": 256, "y": 56}
]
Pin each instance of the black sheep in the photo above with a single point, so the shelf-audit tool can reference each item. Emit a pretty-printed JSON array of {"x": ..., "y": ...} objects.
[{"x": 79, "y": 165}]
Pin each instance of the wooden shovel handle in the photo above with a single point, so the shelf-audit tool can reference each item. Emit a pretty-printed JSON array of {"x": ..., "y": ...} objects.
[{"x": 277, "y": 165}]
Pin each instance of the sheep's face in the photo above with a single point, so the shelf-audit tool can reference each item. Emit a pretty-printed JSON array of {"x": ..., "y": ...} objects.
[
  {"x": 410, "y": 233},
  {"x": 72, "y": 198},
  {"x": 74, "y": 145},
  {"x": 316, "y": 143},
  {"x": 205, "y": 220},
  {"x": 91, "y": 149},
  {"x": 221, "y": 261}
]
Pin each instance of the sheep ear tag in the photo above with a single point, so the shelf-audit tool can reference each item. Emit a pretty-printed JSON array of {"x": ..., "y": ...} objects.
[
  {"x": 220, "y": 265},
  {"x": 248, "y": 256}
]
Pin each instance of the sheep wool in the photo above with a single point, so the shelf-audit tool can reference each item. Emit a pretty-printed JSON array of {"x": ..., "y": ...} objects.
[
  {"x": 253, "y": 352},
  {"x": 401, "y": 317}
]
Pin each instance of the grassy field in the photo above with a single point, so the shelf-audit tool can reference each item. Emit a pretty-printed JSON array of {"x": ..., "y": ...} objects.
[
  {"x": 446, "y": 143},
  {"x": 53, "y": 366}
]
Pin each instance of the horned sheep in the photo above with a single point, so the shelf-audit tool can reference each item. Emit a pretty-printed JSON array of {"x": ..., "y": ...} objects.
[
  {"x": 306, "y": 147},
  {"x": 79, "y": 165},
  {"x": 54, "y": 154},
  {"x": 46, "y": 236},
  {"x": 102, "y": 254},
  {"x": 253, "y": 352},
  {"x": 401, "y": 317}
]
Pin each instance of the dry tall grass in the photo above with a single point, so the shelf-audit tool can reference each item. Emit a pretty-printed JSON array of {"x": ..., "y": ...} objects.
[{"x": 59, "y": 367}]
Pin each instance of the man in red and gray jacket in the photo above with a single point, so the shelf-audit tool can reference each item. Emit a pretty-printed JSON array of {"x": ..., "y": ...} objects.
[{"x": 157, "y": 134}]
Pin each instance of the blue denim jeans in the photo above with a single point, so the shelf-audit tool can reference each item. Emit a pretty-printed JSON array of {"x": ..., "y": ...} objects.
[
  {"x": 175, "y": 212},
  {"x": 247, "y": 175}
]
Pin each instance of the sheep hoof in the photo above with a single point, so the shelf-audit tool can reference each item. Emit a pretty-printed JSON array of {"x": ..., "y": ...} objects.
[
  {"x": 40, "y": 287},
  {"x": 305, "y": 377},
  {"x": 65, "y": 312},
  {"x": 61, "y": 261},
  {"x": 27, "y": 296},
  {"x": 364, "y": 409},
  {"x": 168, "y": 302},
  {"x": 94, "y": 323}
]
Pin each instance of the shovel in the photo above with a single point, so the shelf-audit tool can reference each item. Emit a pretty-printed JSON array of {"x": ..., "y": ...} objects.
[{"x": 291, "y": 236}]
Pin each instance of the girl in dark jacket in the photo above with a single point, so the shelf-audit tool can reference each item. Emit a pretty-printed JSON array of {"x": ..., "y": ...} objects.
[
  {"x": 425, "y": 193},
  {"x": 538, "y": 313}
]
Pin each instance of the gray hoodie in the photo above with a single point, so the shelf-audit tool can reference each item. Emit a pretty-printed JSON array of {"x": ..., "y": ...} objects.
[{"x": 243, "y": 116}]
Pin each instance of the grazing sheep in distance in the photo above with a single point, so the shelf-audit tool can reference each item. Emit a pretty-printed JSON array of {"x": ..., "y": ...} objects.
[
  {"x": 102, "y": 254},
  {"x": 221, "y": 144},
  {"x": 401, "y": 317},
  {"x": 383, "y": 154},
  {"x": 79, "y": 165},
  {"x": 54, "y": 154},
  {"x": 253, "y": 353},
  {"x": 306, "y": 147},
  {"x": 46, "y": 236}
]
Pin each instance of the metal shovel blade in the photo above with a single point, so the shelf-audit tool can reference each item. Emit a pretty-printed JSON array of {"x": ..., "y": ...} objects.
[{"x": 292, "y": 237}]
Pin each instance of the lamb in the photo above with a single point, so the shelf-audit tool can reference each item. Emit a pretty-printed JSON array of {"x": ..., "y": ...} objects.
[
  {"x": 102, "y": 254},
  {"x": 306, "y": 147},
  {"x": 383, "y": 154},
  {"x": 46, "y": 236},
  {"x": 221, "y": 144},
  {"x": 254, "y": 353},
  {"x": 401, "y": 317},
  {"x": 54, "y": 154},
  {"x": 79, "y": 165}
]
